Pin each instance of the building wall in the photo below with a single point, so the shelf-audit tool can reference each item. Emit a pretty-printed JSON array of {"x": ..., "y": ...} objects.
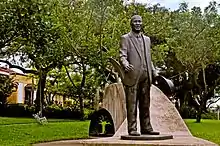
[
  {"x": 22, "y": 79},
  {"x": 19, "y": 95},
  {"x": 12, "y": 99}
]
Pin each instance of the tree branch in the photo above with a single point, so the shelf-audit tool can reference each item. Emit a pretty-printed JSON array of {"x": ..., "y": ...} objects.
[
  {"x": 67, "y": 72},
  {"x": 197, "y": 34},
  {"x": 18, "y": 67}
]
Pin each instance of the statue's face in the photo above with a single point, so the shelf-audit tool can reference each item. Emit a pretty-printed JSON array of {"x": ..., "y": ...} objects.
[{"x": 136, "y": 24}]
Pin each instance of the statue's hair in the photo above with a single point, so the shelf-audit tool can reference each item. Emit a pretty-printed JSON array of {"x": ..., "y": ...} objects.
[{"x": 135, "y": 16}]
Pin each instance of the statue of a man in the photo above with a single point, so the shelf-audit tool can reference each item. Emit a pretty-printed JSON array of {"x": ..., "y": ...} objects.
[{"x": 135, "y": 58}]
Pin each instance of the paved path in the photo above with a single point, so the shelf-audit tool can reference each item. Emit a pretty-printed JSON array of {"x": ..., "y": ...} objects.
[{"x": 116, "y": 141}]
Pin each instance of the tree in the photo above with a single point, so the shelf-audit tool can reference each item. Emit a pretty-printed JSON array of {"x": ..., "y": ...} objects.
[
  {"x": 10, "y": 29},
  {"x": 195, "y": 43},
  {"x": 39, "y": 38},
  {"x": 217, "y": 109},
  {"x": 90, "y": 38},
  {"x": 6, "y": 88}
]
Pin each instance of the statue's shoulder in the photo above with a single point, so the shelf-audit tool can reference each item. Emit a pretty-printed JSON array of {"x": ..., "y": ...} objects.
[
  {"x": 146, "y": 37},
  {"x": 125, "y": 35}
]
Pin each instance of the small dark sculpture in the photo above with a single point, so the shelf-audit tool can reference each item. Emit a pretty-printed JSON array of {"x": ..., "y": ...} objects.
[
  {"x": 165, "y": 85},
  {"x": 135, "y": 59},
  {"x": 101, "y": 124}
]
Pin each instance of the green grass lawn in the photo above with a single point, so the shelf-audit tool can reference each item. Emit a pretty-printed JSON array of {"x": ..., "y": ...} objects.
[
  {"x": 10, "y": 121},
  {"x": 207, "y": 129},
  {"x": 25, "y": 131}
]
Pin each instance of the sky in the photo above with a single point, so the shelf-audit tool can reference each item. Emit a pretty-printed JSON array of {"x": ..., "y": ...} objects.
[{"x": 174, "y": 4}]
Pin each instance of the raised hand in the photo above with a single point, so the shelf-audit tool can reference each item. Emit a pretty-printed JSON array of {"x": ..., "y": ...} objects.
[{"x": 129, "y": 68}]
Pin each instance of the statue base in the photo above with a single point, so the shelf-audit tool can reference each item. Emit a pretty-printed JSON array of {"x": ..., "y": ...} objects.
[{"x": 147, "y": 137}]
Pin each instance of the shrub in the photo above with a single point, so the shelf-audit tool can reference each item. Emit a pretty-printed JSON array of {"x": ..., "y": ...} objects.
[
  {"x": 16, "y": 110},
  {"x": 88, "y": 113},
  {"x": 209, "y": 115},
  {"x": 68, "y": 103},
  {"x": 50, "y": 111},
  {"x": 55, "y": 111},
  {"x": 187, "y": 112},
  {"x": 6, "y": 88}
]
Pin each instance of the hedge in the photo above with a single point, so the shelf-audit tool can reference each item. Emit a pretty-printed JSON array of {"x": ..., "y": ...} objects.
[{"x": 50, "y": 111}]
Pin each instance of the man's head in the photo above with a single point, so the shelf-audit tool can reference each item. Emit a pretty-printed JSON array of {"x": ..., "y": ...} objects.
[{"x": 136, "y": 23}]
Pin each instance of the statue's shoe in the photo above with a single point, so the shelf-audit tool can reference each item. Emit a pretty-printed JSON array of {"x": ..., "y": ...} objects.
[
  {"x": 150, "y": 133},
  {"x": 134, "y": 133}
]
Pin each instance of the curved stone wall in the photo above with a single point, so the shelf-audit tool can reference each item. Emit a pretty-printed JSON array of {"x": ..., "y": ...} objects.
[
  {"x": 164, "y": 116},
  {"x": 114, "y": 102}
]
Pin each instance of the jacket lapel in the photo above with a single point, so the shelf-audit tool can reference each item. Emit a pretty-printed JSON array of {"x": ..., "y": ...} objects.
[
  {"x": 135, "y": 43},
  {"x": 145, "y": 45}
]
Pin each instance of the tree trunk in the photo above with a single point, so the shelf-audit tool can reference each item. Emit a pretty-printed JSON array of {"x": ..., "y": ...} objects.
[
  {"x": 40, "y": 91},
  {"x": 48, "y": 98},
  {"x": 218, "y": 114},
  {"x": 81, "y": 93},
  {"x": 81, "y": 106},
  {"x": 199, "y": 116},
  {"x": 183, "y": 96}
]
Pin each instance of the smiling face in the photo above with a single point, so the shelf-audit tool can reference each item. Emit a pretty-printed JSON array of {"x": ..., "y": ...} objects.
[{"x": 136, "y": 23}]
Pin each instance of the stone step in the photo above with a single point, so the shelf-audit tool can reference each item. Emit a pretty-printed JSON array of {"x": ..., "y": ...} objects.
[{"x": 116, "y": 141}]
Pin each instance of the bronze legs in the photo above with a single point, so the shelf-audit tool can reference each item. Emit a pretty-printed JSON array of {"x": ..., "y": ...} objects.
[{"x": 138, "y": 93}]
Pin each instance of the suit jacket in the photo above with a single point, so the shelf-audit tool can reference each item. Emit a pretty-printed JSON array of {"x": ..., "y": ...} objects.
[{"x": 130, "y": 54}]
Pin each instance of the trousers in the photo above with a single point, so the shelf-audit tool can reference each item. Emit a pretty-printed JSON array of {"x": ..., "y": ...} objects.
[{"x": 139, "y": 96}]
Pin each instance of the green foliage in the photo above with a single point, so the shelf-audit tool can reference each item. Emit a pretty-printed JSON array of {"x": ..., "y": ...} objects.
[
  {"x": 88, "y": 113},
  {"x": 55, "y": 111},
  {"x": 187, "y": 112},
  {"x": 193, "y": 40},
  {"x": 38, "y": 39},
  {"x": 8, "y": 31},
  {"x": 36, "y": 31},
  {"x": 6, "y": 88},
  {"x": 15, "y": 110},
  {"x": 93, "y": 35},
  {"x": 209, "y": 115},
  {"x": 50, "y": 111},
  {"x": 193, "y": 44},
  {"x": 58, "y": 83}
]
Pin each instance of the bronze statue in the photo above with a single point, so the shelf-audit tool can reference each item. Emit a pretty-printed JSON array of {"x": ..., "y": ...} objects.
[{"x": 135, "y": 58}]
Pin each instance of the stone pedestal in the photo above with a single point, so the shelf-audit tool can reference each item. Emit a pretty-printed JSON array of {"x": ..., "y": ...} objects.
[
  {"x": 116, "y": 141},
  {"x": 147, "y": 137}
]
